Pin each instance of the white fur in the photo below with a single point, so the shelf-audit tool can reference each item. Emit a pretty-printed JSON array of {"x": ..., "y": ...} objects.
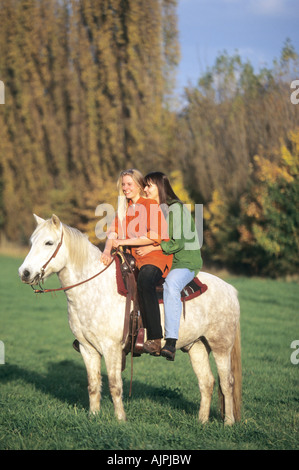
[{"x": 96, "y": 316}]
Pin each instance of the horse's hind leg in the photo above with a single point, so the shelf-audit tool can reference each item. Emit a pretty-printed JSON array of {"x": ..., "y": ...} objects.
[
  {"x": 199, "y": 356},
  {"x": 226, "y": 384},
  {"x": 92, "y": 360}
]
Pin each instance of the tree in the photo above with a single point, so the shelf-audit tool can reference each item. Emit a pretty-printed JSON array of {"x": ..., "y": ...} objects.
[
  {"x": 86, "y": 96},
  {"x": 261, "y": 232},
  {"x": 269, "y": 232},
  {"x": 231, "y": 115}
]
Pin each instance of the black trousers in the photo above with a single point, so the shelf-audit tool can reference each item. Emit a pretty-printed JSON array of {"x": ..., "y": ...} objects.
[{"x": 148, "y": 278}]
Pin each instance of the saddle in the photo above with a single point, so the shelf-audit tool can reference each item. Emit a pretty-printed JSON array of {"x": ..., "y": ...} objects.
[
  {"x": 193, "y": 289},
  {"x": 126, "y": 277},
  {"x": 126, "y": 262}
]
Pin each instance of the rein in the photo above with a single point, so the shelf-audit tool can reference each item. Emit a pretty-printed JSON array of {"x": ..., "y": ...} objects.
[{"x": 45, "y": 291}]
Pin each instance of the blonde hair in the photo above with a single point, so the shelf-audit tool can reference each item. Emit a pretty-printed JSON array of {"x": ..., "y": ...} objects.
[{"x": 138, "y": 178}]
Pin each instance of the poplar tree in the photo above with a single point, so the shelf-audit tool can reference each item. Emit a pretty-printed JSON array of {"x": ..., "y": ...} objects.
[{"x": 86, "y": 86}]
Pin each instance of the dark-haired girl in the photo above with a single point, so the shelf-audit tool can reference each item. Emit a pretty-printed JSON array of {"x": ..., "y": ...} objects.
[{"x": 183, "y": 244}]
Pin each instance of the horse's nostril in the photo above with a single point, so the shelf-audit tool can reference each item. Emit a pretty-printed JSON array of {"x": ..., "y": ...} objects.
[{"x": 26, "y": 273}]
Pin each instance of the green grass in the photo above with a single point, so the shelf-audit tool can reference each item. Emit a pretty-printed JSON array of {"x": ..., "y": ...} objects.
[{"x": 44, "y": 400}]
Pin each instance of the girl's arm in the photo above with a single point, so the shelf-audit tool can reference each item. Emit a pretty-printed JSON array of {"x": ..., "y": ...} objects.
[
  {"x": 176, "y": 240},
  {"x": 106, "y": 257},
  {"x": 132, "y": 242},
  {"x": 144, "y": 250}
]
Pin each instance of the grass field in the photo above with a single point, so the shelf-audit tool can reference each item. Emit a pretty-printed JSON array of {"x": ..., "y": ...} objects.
[{"x": 44, "y": 400}]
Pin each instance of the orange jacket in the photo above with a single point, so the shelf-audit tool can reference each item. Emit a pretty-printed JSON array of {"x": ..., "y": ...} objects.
[{"x": 145, "y": 219}]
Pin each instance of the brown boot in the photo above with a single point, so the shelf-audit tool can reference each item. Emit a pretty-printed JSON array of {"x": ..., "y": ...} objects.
[{"x": 153, "y": 347}]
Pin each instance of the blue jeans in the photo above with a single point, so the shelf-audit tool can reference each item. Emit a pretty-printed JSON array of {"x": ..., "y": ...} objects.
[{"x": 174, "y": 283}]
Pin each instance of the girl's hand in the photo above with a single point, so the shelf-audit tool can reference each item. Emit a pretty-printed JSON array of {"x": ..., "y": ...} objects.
[
  {"x": 144, "y": 250},
  {"x": 106, "y": 258},
  {"x": 117, "y": 243}
]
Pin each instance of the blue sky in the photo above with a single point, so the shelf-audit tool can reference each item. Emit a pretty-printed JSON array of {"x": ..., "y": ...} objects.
[{"x": 257, "y": 29}]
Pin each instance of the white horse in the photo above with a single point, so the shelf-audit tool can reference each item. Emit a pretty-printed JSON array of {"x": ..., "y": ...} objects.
[{"x": 96, "y": 317}]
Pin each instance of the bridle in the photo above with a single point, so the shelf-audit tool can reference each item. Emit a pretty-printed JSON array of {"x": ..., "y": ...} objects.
[
  {"x": 52, "y": 257},
  {"x": 44, "y": 291}
]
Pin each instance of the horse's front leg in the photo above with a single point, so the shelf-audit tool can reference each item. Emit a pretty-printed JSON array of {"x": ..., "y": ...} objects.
[
  {"x": 92, "y": 360},
  {"x": 113, "y": 360}
]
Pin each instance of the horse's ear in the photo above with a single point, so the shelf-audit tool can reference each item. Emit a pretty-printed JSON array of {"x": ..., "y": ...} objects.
[
  {"x": 55, "y": 220},
  {"x": 38, "y": 219}
]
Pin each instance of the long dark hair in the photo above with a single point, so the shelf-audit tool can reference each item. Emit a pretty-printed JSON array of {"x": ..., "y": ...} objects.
[{"x": 166, "y": 193}]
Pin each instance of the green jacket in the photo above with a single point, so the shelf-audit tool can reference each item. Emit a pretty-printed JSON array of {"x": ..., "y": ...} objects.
[{"x": 183, "y": 243}]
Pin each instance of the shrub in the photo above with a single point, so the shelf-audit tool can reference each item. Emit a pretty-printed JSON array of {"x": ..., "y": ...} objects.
[{"x": 261, "y": 231}]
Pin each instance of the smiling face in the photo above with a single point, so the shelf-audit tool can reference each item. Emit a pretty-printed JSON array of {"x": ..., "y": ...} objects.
[
  {"x": 151, "y": 191},
  {"x": 130, "y": 189}
]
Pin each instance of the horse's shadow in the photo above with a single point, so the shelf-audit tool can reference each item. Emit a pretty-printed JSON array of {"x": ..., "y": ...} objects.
[
  {"x": 67, "y": 382},
  {"x": 64, "y": 380}
]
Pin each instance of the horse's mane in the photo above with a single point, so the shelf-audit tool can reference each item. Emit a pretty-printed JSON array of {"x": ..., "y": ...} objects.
[{"x": 81, "y": 250}]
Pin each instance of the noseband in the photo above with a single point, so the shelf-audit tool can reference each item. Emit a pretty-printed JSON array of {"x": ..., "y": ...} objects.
[
  {"x": 42, "y": 271},
  {"x": 42, "y": 291}
]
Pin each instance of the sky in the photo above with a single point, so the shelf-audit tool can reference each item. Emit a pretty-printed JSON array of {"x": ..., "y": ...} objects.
[{"x": 256, "y": 29}]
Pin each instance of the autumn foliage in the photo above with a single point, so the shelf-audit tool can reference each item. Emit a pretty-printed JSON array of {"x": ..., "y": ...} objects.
[
  {"x": 261, "y": 232},
  {"x": 85, "y": 86},
  {"x": 89, "y": 91}
]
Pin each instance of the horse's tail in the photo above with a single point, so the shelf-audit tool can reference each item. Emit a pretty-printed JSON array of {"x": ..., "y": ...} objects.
[
  {"x": 236, "y": 368},
  {"x": 236, "y": 371}
]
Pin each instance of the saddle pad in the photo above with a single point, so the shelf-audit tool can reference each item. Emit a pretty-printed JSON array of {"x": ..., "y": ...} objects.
[
  {"x": 121, "y": 287},
  {"x": 191, "y": 290}
]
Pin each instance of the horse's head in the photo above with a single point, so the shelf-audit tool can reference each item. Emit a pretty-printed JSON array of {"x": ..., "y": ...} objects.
[{"x": 41, "y": 261}]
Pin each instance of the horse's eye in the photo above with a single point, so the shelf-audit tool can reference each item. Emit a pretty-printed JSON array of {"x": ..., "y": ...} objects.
[{"x": 49, "y": 243}]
